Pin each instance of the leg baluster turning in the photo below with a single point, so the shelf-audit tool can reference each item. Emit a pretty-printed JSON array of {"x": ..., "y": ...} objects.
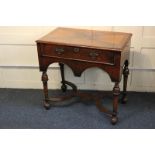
[
  {"x": 125, "y": 79},
  {"x": 45, "y": 86},
  {"x": 64, "y": 86},
  {"x": 116, "y": 93}
]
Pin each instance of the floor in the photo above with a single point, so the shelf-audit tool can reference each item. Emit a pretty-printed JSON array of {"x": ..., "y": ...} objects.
[{"x": 22, "y": 109}]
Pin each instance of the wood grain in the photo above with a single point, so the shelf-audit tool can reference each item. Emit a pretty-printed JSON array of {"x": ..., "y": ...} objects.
[{"x": 87, "y": 38}]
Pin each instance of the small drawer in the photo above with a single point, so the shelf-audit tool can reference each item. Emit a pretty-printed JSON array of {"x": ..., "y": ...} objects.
[
  {"x": 58, "y": 50},
  {"x": 53, "y": 50},
  {"x": 98, "y": 56}
]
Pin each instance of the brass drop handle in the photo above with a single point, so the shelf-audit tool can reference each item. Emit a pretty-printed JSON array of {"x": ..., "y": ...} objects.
[
  {"x": 93, "y": 54},
  {"x": 59, "y": 50}
]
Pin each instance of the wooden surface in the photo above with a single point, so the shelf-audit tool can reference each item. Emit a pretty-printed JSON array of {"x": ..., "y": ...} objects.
[
  {"x": 74, "y": 48},
  {"x": 87, "y": 38}
]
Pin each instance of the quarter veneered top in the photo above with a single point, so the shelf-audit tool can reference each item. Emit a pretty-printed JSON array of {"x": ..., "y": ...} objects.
[{"x": 87, "y": 38}]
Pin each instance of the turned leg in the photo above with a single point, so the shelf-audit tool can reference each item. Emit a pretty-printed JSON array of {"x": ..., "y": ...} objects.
[
  {"x": 125, "y": 79},
  {"x": 64, "y": 86},
  {"x": 45, "y": 86},
  {"x": 116, "y": 92}
]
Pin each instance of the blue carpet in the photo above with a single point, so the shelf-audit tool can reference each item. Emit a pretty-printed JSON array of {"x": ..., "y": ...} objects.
[{"x": 22, "y": 109}]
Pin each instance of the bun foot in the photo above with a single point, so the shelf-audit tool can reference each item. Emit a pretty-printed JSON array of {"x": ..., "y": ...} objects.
[
  {"x": 47, "y": 105},
  {"x": 124, "y": 100},
  {"x": 114, "y": 120},
  {"x": 64, "y": 88}
]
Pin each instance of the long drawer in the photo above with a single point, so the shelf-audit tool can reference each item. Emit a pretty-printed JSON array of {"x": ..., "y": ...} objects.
[{"x": 76, "y": 53}]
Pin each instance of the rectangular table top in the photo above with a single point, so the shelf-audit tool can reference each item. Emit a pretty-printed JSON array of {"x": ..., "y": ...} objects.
[{"x": 87, "y": 38}]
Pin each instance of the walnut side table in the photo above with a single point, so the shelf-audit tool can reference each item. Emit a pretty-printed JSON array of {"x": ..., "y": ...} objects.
[{"x": 81, "y": 49}]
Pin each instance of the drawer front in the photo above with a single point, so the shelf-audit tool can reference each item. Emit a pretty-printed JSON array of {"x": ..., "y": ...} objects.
[{"x": 75, "y": 53}]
